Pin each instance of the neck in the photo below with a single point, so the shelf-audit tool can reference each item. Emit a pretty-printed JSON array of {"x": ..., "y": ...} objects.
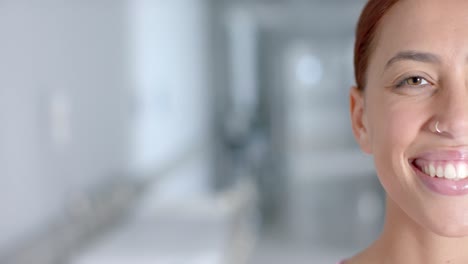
[{"x": 405, "y": 241}]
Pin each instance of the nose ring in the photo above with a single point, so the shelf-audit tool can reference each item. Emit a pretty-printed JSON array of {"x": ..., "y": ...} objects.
[{"x": 436, "y": 127}]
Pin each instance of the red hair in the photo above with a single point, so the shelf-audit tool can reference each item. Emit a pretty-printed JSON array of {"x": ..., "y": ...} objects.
[{"x": 365, "y": 35}]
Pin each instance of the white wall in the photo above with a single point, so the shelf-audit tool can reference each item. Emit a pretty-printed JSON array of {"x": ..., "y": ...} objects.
[{"x": 62, "y": 104}]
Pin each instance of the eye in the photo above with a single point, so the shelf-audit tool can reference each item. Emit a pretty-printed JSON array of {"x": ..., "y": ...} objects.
[
  {"x": 416, "y": 80},
  {"x": 413, "y": 81}
]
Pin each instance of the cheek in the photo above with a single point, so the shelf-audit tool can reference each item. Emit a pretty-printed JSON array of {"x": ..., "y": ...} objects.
[{"x": 395, "y": 129}]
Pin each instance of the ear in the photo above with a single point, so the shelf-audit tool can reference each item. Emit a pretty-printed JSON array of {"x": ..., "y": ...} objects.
[{"x": 359, "y": 119}]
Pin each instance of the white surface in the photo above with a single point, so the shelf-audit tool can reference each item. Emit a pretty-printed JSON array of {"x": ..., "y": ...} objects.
[
  {"x": 194, "y": 231},
  {"x": 166, "y": 243},
  {"x": 171, "y": 235}
]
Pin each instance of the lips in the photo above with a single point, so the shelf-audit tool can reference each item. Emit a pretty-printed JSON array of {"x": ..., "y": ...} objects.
[{"x": 443, "y": 172}]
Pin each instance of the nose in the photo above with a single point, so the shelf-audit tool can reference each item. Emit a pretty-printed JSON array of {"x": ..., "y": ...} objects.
[{"x": 452, "y": 114}]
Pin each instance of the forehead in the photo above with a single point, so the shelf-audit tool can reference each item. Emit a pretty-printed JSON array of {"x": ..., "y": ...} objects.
[{"x": 435, "y": 26}]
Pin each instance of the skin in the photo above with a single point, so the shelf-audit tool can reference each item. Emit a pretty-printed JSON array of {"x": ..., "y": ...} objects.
[{"x": 396, "y": 124}]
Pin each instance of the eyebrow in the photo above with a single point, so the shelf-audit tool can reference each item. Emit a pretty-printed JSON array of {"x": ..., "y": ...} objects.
[{"x": 413, "y": 56}]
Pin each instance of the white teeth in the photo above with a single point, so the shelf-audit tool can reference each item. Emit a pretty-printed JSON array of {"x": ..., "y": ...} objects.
[
  {"x": 461, "y": 171},
  {"x": 450, "y": 172},
  {"x": 432, "y": 170},
  {"x": 440, "y": 171}
]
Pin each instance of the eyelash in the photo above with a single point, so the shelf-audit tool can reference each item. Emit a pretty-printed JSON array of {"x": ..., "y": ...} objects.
[{"x": 403, "y": 82}]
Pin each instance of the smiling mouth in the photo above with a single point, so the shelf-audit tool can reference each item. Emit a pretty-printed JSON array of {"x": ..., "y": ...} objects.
[{"x": 451, "y": 170}]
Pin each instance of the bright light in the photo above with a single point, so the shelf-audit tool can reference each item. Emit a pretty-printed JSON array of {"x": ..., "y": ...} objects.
[{"x": 309, "y": 70}]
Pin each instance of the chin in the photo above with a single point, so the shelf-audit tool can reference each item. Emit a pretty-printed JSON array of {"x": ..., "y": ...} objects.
[
  {"x": 448, "y": 225},
  {"x": 450, "y": 231}
]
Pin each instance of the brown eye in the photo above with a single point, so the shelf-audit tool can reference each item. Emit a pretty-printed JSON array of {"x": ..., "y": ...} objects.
[
  {"x": 416, "y": 80},
  {"x": 413, "y": 82}
]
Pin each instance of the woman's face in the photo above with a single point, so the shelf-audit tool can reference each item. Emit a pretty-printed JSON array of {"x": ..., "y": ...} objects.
[{"x": 418, "y": 75}]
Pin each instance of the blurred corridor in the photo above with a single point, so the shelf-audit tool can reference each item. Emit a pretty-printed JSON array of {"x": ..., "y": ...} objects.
[{"x": 181, "y": 132}]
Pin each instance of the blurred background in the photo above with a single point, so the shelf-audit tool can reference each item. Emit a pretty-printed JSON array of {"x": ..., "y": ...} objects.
[{"x": 181, "y": 132}]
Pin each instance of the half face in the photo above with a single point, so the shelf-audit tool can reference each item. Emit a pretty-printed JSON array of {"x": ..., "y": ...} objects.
[{"x": 417, "y": 77}]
